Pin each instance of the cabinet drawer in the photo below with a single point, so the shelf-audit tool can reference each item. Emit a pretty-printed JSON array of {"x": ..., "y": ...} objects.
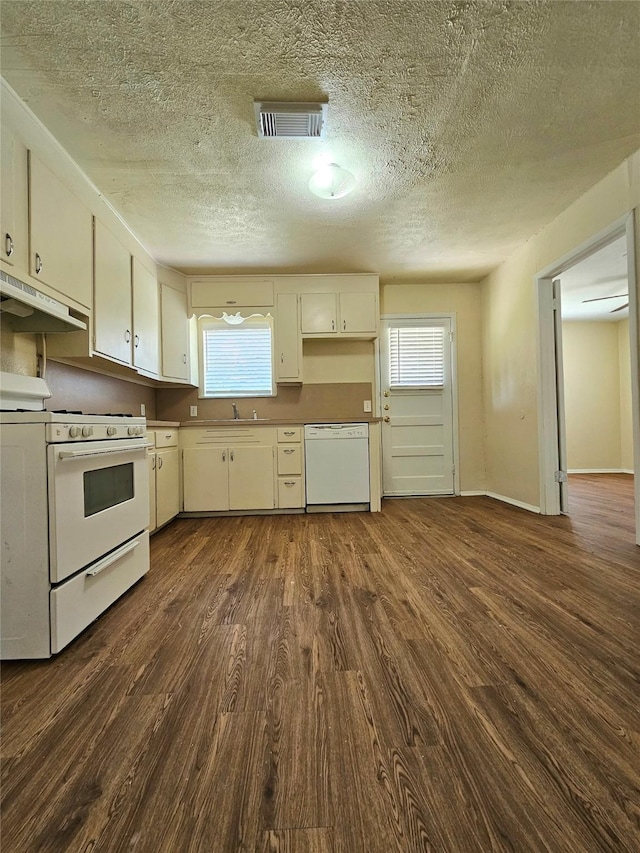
[
  {"x": 290, "y": 493},
  {"x": 76, "y": 603},
  {"x": 290, "y": 459},
  {"x": 166, "y": 437},
  {"x": 289, "y": 435}
]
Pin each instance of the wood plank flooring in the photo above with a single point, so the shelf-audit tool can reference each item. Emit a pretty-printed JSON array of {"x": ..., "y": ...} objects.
[{"x": 447, "y": 675}]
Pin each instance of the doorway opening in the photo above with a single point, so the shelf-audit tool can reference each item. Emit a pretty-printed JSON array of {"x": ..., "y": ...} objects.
[{"x": 588, "y": 391}]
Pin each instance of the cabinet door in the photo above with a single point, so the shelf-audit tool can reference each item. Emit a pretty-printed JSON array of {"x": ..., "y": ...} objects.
[
  {"x": 8, "y": 206},
  {"x": 60, "y": 235},
  {"x": 290, "y": 493},
  {"x": 251, "y": 478},
  {"x": 288, "y": 339},
  {"x": 175, "y": 333},
  {"x": 205, "y": 474},
  {"x": 145, "y": 319},
  {"x": 167, "y": 486},
  {"x": 318, "y": 313},
  {"x": 358, "y": 313},
  {"x": 151, "y": 462},
  {"x": 112, "y": 296}
]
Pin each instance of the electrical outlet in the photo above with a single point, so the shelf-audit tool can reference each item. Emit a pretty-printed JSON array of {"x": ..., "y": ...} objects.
[
  {"x": 143, "y": 409},
  {"x": 193, "y": 411},
  {"x": 367, "y": 405}
]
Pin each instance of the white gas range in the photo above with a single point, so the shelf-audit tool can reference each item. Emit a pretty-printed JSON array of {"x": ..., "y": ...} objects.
[{"x": 75, "y": 508}]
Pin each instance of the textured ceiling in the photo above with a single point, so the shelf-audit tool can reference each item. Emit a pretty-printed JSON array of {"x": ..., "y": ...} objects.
[{"x": 468, "y": 125}]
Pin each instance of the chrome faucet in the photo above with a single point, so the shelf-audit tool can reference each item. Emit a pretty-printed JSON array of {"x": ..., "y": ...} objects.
[{"x": 236, "y": 413}]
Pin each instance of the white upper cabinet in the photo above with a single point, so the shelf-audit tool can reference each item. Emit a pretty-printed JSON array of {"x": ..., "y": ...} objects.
[
  {"x": 230, "y": 293},
  {"x": 59, "y": 235},
  {"x": 344, "y": 314},
  {"x": 288, "y": 354},
  {"x": 112, "y": 320},
  {"x": 175, "y": 334},
  {"x": 146, "y": 355}
]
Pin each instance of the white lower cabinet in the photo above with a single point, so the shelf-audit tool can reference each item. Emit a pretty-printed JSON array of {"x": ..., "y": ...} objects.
[
  {"x": 164, "y": 477},
  {"x": 224, "y": 478},
  {"x": 242, "y": 468}
]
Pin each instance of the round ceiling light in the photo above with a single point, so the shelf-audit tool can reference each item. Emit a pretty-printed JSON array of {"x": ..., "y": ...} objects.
[{"x": 331, "y": 181}]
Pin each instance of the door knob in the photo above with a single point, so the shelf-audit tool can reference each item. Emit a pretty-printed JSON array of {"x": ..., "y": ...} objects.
[{"x": 387, "y": 419}]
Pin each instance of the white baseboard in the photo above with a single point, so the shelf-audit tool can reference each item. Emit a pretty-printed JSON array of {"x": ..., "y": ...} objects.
[
  {"x": 514, "y": 502},
  {"x": 472, "y": 494},
  {"x": 627, "y": 471},
  {"x": 598, "y": 471}
]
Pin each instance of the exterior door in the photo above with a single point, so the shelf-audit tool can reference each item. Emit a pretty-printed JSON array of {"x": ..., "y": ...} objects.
[{"x": 417, "y": 406}]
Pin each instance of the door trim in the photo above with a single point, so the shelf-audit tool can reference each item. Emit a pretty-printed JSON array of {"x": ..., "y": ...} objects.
[
  {"x": 440, "y": 315},
  {"x": 549, "y": 419}
]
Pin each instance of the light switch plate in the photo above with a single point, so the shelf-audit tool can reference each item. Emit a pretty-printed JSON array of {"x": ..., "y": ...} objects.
[
  {"x": 143, "y": 409},
  {"x": 367, "y": 405},
  {"x": 193, "y": 411}
]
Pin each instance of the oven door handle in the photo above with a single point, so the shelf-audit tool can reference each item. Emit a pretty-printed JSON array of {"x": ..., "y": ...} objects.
[
  {"x": 81, "y": 454},
  {"x": 103, "y": 564}
]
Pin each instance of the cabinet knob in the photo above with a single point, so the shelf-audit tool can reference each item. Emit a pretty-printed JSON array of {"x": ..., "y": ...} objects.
[
  {"x": 387, "y": 419},
  {"x": 127, "y": 335},
  {"x": 386, "y": 407},
  {"x": 8, "y": 245},
  {"x": 38, "y": 263}
]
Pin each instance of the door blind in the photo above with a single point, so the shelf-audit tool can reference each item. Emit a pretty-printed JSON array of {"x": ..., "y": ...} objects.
[
  {"x": 237, "y": 361},
  {"x": 416, "y": 357}
]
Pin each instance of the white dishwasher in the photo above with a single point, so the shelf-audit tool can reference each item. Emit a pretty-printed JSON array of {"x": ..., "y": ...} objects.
[{"x": 336, "y": 466}]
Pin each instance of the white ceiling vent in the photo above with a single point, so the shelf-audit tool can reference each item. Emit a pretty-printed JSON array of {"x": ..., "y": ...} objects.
[{"x": 283, "y": 120}]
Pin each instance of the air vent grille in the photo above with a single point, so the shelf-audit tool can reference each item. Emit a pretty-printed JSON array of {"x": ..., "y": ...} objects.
[{"x": 290, "y": 120}]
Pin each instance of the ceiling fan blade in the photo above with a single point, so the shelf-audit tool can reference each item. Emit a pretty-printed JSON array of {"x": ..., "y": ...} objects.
[
  {"x": 621, "y": 308},
  {"x": 600, "y": 298}
]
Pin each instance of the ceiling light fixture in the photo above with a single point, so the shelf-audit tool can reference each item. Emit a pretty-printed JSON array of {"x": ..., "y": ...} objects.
[{"x": 331, "y": 181}]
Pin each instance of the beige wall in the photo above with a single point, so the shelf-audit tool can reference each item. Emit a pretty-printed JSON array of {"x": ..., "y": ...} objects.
[
  {"x": 464, "y": 301},
  {"x": 17, "y": 352},
  {"x": 337, "y": 361},
  {"x": 592, "y": 395},
  {"x": 626, "y": 416},
  {"x": 509, "y": 329}
]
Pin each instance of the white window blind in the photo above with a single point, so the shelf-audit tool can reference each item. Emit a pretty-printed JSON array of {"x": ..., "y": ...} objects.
[
  {"x": 237, "y": 359},
  {"x": 416, "y": 356}
]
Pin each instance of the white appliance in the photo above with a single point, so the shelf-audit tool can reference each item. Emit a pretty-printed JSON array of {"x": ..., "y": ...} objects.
[
  {"x": 75, "y": 505},
  {"x": 336, "y": 466}
]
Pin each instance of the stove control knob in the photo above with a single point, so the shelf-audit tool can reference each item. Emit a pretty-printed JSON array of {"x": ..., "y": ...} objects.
[
  {"x": 74, "y": 431},
  {"x": 87, "y": 431},
  {"x": 131, "y": 430},
  {"x": 111, "y": 430},
  {"x": 140, "y": 430}
]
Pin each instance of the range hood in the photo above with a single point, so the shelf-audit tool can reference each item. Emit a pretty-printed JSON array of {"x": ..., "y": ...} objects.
[{"x": 32, "y": 311}]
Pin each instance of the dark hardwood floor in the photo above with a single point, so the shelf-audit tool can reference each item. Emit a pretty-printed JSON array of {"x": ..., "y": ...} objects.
[{"x": 448, "y": 675}]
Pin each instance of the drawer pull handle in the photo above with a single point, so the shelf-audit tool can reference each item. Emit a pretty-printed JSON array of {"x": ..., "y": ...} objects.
[
  {"x": 38, "y": 264},
  {"x": 127, "y": 335},
  {"x": 289, "y": 432},
  {"x": 111, "y": 559},
  {"x": 289, "y": 450},
  {"x": 289, "y": 482},
  {"x": 231, "y": 455},
  {"x": 8, "y": 245},
  {"x": 224, "y": 455}
]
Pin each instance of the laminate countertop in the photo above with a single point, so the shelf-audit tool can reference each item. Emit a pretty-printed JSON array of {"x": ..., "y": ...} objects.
[{"x": 243, "y": 422}]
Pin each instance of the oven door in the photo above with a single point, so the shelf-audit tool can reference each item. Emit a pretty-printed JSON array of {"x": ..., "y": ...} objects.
[{"x": 98, "y": 499}]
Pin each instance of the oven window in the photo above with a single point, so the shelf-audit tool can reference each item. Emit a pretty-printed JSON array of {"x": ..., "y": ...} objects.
[{"x": 107, "y": 487}]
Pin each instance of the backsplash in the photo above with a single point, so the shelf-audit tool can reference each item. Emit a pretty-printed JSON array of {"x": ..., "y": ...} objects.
[
  {"x": 81, "y": 390},
  {"x": 305, "y": 403}
]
